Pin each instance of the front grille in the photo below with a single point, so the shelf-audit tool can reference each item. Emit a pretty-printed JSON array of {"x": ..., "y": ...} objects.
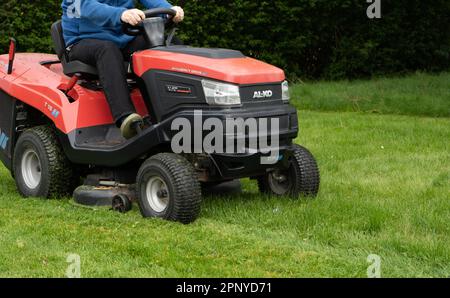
[{"x": 261, "y": 93}]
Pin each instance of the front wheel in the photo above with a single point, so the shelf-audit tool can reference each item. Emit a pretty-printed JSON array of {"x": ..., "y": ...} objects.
[
  {"x": 300, "y": 178},
  {"x": 168, "y": 188}
]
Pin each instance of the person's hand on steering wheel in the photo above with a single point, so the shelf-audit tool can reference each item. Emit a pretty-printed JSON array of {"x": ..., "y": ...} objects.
[
  {"x": 136, "y": 16},
  {"x": 180, "y": 14},
  {"x": 133, "y": 16},
  {"x": 132, "y": 19}
]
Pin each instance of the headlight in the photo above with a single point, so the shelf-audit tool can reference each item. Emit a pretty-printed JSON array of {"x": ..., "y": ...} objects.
[
  {"x": 221, "y": 94},
  {"x": 285, "y": 91}
]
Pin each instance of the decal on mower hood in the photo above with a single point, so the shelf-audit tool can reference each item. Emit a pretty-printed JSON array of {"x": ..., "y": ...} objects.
[
  {"x": 178, "y": 89},
  {"x": 3, "y": 140},
  {"x": 190, "y": 71},
  {"x": 55, "y": 113}
]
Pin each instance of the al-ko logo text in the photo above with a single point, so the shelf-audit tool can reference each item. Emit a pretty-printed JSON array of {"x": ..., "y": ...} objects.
[{"x": 263, "y": 94}]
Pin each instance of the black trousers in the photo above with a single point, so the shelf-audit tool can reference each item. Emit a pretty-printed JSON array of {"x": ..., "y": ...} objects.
[{"x": 109, "y": 60}]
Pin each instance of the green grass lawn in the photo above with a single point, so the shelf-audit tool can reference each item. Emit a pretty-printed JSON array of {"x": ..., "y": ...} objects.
[
  {"x": 419, "y": 94},
  {"x": 385, "y": 191}
]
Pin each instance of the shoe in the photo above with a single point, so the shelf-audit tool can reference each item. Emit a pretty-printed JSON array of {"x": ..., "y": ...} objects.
[{"x": 129, "y": 125}]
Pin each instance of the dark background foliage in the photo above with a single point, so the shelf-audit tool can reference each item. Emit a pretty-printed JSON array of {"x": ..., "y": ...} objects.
[{"x": 308, "y": 38}]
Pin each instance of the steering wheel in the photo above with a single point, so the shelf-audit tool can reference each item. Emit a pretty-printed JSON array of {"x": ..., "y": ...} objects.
[{"x": 151, "y": 13}]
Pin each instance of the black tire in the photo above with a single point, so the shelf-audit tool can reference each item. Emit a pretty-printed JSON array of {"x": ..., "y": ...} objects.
[
  {"x": 174, "y": 184},
  {"x": 56, "y": 176},
  {"x": 302, "y": 178},
  {"x": 121, "y": 203}
]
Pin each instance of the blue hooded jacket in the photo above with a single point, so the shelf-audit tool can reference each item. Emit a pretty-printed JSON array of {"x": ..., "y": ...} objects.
[{"x": 99, "y": 19}]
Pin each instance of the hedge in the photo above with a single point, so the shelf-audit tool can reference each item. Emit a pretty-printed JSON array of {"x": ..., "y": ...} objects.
[{"x": 308, "y": 38}]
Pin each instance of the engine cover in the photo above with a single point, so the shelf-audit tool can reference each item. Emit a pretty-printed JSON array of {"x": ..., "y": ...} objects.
[{"x": 218, "y": 64}]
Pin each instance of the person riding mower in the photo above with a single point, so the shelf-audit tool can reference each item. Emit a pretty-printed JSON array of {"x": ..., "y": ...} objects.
[{"x": 59, "y": 137}]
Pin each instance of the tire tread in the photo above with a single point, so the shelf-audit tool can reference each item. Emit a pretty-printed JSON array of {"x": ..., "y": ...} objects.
[
  {"x": 187, "y": 196},
  {"x": 308, "y": 180},
  {"x": 61, "y": 173}
]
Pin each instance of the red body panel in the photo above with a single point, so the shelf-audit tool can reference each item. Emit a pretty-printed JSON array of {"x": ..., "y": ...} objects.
[
  {"x": 234, "y": 70},
  {"x": 40, "y": 86}
]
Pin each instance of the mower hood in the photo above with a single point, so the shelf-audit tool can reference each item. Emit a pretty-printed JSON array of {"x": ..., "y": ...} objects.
[{"x": 218, "y": 64}]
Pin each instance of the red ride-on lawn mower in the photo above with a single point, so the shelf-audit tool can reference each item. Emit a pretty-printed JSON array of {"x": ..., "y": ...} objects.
[{"x": 57, "y": 131}]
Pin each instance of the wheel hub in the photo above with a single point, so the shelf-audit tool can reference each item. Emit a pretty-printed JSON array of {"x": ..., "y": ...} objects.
[
  {"x": 162, "y": 193},
  {"x": 31, "y": 169},
  {"x": 279, "y": 177},
  {"x": 157, "y": 194},
  {"x": 279, "y": 182}
]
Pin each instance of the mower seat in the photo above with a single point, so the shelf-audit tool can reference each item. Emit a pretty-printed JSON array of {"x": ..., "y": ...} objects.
[{"x": 70, "y": 68}]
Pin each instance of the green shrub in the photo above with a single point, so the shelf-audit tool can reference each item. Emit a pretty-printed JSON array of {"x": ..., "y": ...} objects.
[
  {"x": 308, "y": 38},
  {"x": 29, "y": 23}
]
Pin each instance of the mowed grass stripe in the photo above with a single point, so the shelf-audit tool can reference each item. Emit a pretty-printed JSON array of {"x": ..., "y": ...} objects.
[{"x": 384, "y": 191}]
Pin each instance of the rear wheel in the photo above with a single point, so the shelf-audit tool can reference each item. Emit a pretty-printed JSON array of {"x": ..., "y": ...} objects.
[
  {"x": 168, "y": 188},
  {"x": 300, "y": 178},
  {"x": 40, "y": 167}
]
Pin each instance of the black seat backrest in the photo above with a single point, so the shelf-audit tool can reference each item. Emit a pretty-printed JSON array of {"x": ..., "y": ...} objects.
[
  {"x": 58, "y": 41},
  {"x": 70, "y": 68}
]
